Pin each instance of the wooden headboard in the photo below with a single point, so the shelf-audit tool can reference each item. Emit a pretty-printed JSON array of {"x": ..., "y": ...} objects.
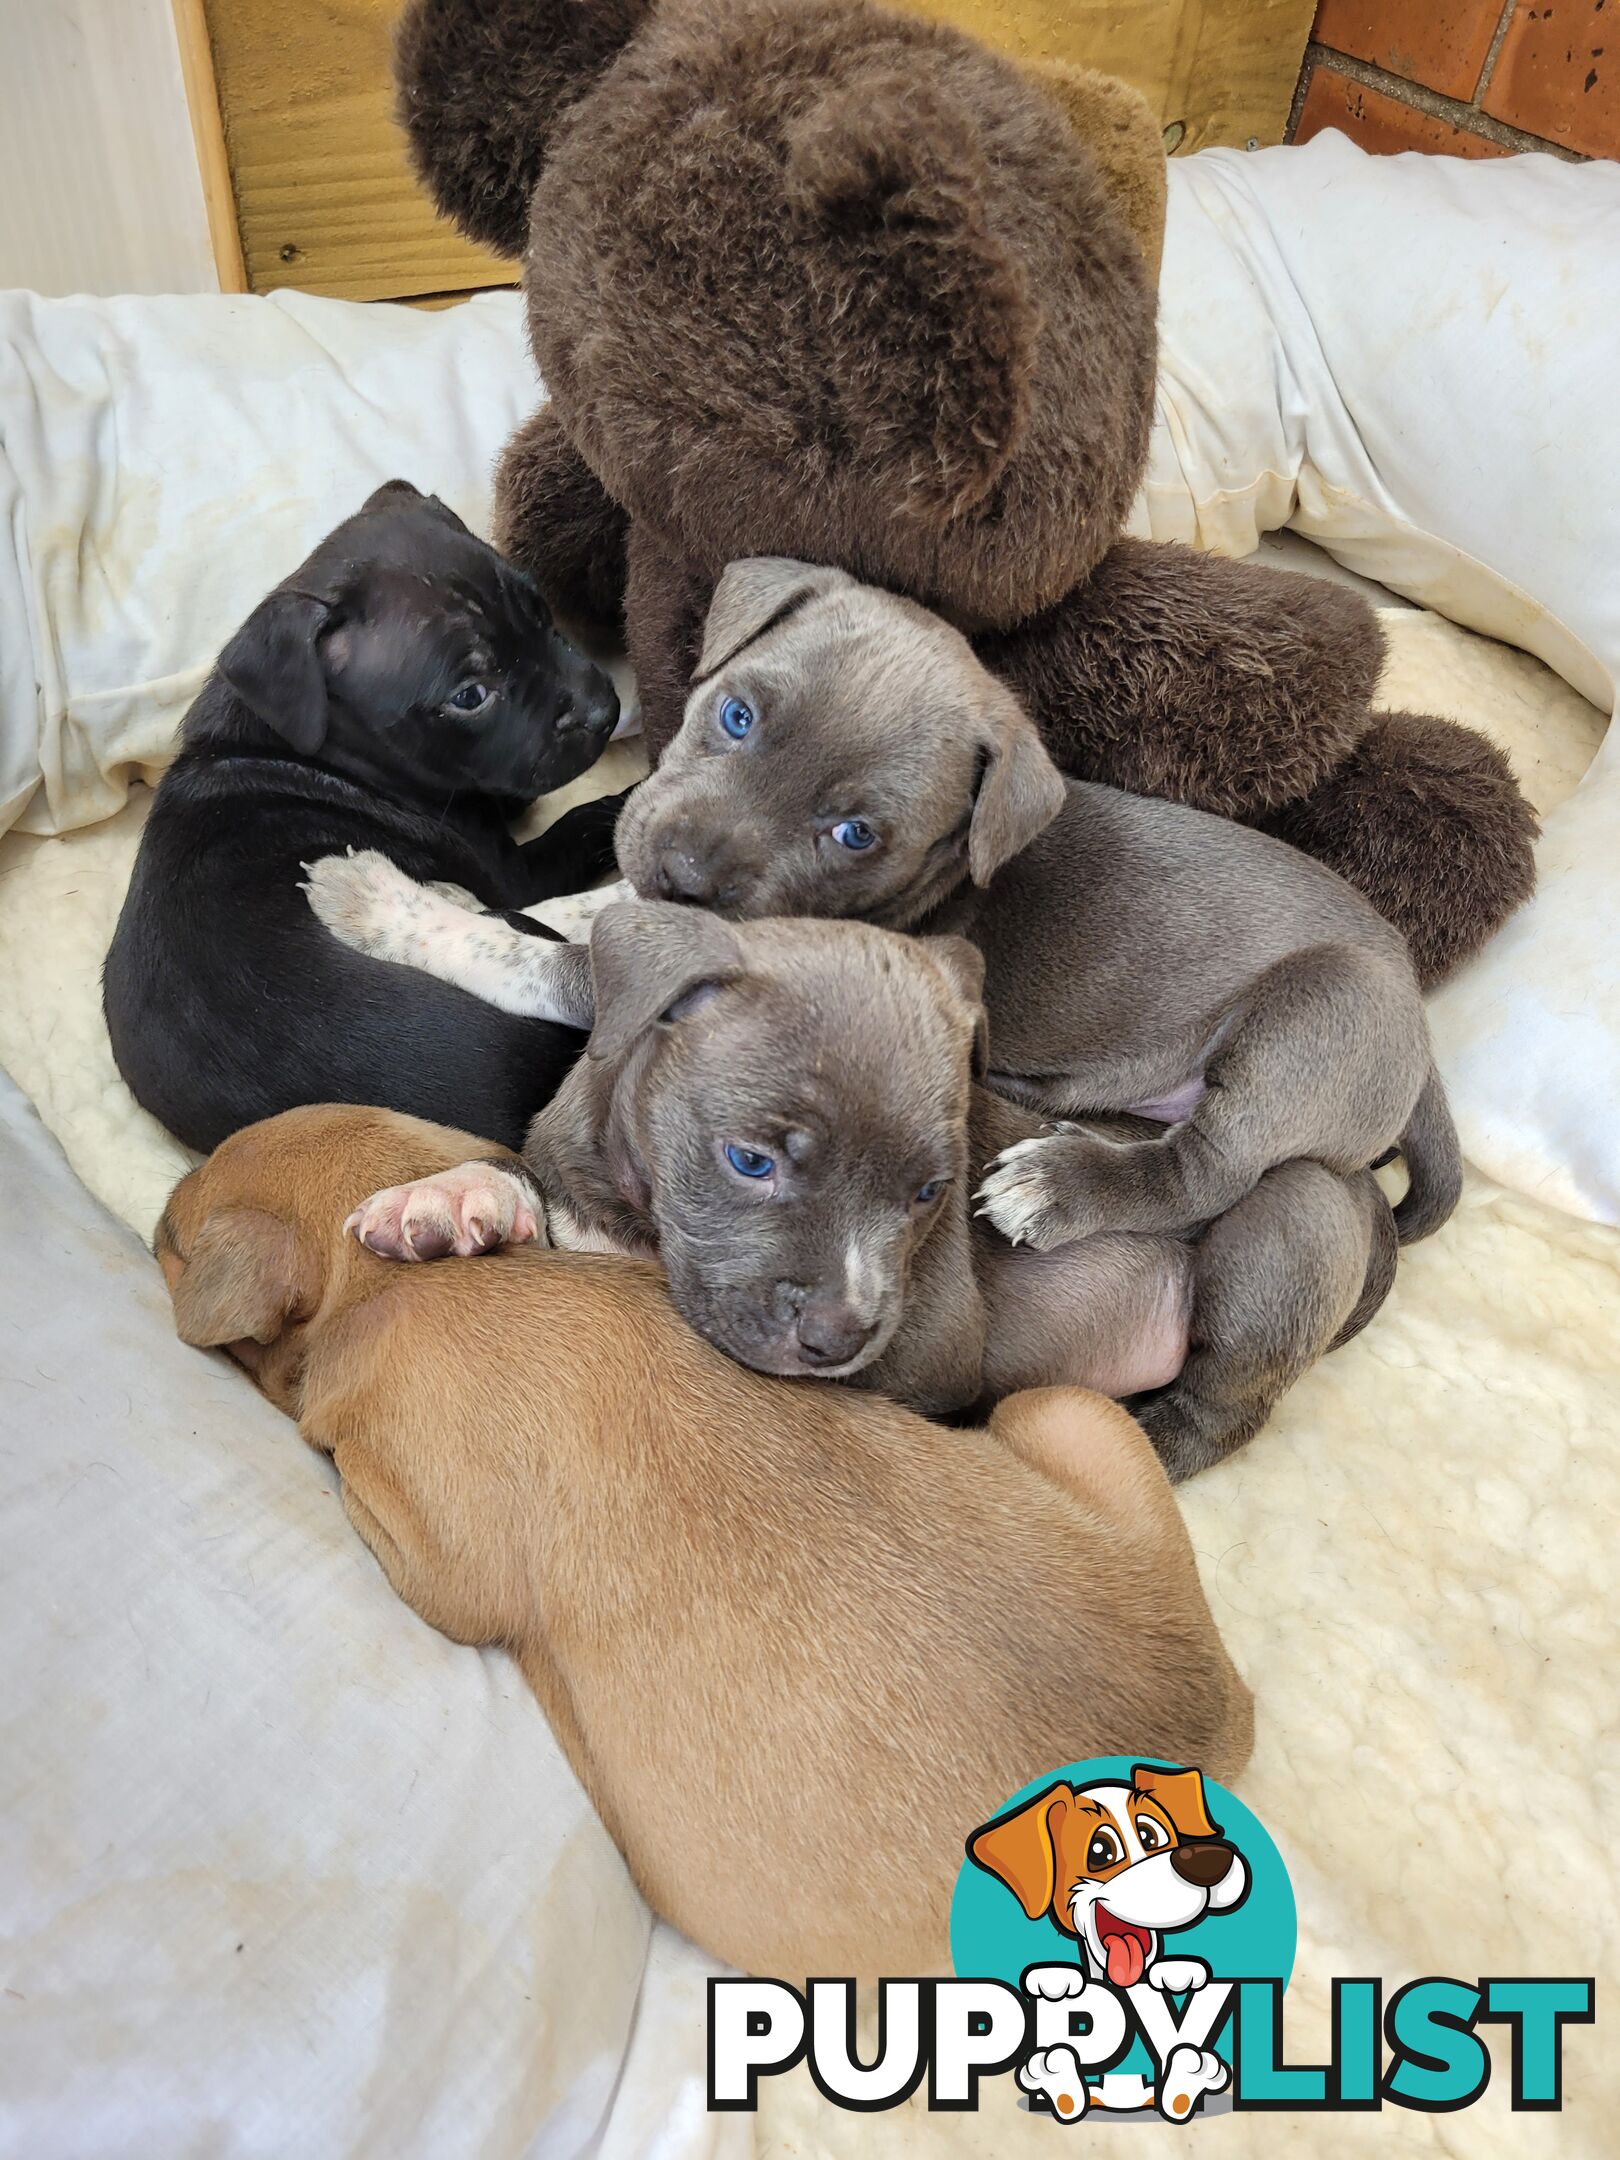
[{"x": 309, "y": 185}]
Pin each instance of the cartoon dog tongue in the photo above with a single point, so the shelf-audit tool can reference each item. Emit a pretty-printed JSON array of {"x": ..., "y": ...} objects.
[{"x": 1126, "y": 1959}]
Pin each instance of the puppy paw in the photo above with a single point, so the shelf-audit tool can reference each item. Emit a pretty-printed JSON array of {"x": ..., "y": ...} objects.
[
  {"x": 1056, "y": 2075},
  {"x": 1189, "y": 2075},
  {"x": 1177, "y": 1976},
  {"x": 369, "y": 903},
  {"x": 1035, "y": 1191},
  {"x": 476, "y": 1208},
  {"x": 1054, "y": 1983}
]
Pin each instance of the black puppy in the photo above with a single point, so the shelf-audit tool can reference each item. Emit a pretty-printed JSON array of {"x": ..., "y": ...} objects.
[{"x": 403, "y": 690}]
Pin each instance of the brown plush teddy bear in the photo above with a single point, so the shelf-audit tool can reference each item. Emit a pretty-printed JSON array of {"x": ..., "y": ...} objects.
[{"x": 813, "y": 278}]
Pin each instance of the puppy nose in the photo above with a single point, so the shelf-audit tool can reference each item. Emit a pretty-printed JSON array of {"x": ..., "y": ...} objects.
[
  {"x": 1201, "y": 1864},
  {"x": 832, "y": 1334},
  {"x": 682, "y": 877},
  {"x": 594, "y": 707}
]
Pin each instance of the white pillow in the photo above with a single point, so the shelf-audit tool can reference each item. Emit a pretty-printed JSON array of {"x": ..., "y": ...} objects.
[
  {"x": 1413, "y": 361},
  {"x": 285, "y": 1871}
]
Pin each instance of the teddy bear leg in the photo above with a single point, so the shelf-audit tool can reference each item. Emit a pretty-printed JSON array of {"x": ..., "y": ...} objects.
[
  {"x": 667, "y": 602},
  {"x": 1426, "y": 819},
  {"x": 555, "y": 520},
  {"x": 1225, "y": 685}
]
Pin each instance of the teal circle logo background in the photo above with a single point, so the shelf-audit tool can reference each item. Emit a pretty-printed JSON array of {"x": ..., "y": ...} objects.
[{"x": 991, "y": 1939}]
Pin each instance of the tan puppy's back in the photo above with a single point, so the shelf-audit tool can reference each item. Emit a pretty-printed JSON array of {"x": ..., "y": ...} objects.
[{"x": 795, "y": 1640}]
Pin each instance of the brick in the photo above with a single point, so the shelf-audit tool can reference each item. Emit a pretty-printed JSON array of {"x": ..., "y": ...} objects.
[
  {"x": 1558, "y": 74},
  {"x": 1439, "y": 43},
  {"x": 1381, "y": 124}
]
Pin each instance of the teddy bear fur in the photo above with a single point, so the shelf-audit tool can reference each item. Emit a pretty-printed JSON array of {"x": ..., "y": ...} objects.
[{"x": 814, "y": 278}]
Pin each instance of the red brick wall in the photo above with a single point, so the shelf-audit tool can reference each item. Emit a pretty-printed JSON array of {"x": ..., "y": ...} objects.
[{"x": 1467, "y": 78}]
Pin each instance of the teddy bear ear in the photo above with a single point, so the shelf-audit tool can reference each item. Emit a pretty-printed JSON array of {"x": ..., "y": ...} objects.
[
  {"x": 480, "y": 84},
  {"x": 1117, "y": 125}
]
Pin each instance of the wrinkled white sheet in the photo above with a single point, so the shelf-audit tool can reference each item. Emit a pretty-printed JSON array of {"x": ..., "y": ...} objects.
[
  {"x": 1412, "y": 360},
  {"x": 282, "y": 1871}
]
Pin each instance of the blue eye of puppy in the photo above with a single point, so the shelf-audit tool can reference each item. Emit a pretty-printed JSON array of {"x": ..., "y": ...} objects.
[
  {"x": 748, "y": 1162},
  {"x": 929, "y": 1193},
  {"x": 854, "y": 833},
  {"x": 468, "y": 698},
  {"x": 736, "y": 718}
]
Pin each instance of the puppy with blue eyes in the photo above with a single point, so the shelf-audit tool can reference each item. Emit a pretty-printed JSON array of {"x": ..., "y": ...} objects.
[{"x": 778, "y": 1113}]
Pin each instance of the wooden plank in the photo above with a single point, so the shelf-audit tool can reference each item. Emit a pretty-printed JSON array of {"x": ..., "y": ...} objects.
[
  {"x": 325, "y": 199},
  {"x": 1224, "y": 70},
  {"x": 324, "y": 194},
  {"x": 208, "y": 133}
]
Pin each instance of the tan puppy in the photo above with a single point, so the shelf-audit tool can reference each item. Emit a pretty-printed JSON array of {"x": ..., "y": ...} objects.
[{"x": 796, "y": 1641}]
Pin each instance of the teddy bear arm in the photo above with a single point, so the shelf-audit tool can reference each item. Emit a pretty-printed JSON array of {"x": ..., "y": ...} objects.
[
  {"x": 1233, "y": 688},
  {"x": 555, "y": 520},
  {"x": 667, "y": 603}
]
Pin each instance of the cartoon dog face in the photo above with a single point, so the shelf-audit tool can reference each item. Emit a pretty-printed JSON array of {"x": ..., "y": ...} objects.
[{"x": 1117, "y": 1866}]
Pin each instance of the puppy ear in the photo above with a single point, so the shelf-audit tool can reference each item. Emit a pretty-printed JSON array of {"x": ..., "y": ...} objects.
[
  {"x": 1181, "y": 1794},
  {"x": 394, "y": 495},
  {"x": 405, "y": 495},
  {"x": 241, "y": 1281},
  {"x": 1020, "y": 1848},
  {"x": 964, "y": 964},
  {"x": 753, "y": 596},
  {"x": 651, "y": 960},
  {"x": 1020, "y": 789},
  {"x": 274, "y": 665}
]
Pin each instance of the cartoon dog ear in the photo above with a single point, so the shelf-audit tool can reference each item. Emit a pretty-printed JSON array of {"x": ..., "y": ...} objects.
[
  {"x": 652, "y": 960},
  {"x": 964, "y": 964},
  {"x": 1020, "y": 790},
  {"x": 1181, "y": 1794},
  {"x": 241, "y": 1281},
  {"x": 753, "y": 596},
  {"x": 1020, "y": 1849},
  {"x": 274, "y": 665}
]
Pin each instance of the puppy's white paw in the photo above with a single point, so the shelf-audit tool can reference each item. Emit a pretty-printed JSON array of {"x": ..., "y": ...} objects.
[
  {"x": 369, "y": 903},
  {"x": 1176, "y": 1976},
  {"x": 1055, "y": 2073},
  {"x": 1189, "y": 2075},
  {"x": 475, "y": 1208},
  {"x": 1024, "y": 1193},
  {"x": 1055, "y": 1983},
  {"x": 572, "y": 916}
]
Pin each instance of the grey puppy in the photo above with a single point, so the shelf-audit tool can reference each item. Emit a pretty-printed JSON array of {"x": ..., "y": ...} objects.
[
  {"x": 843, "y": 753},
  {"x": 841, "y": 1261},
  {"x": 778, "y": 1113}
]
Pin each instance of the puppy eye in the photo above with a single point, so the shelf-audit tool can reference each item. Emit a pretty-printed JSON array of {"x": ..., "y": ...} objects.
[
  {"x": 855, "y": 834},
  {"x": 1151, "y": 1833},
  {"x": 736, "y": 718},
  {"x": 1103, "y": 1850},
  {"x": 468, "y": 698},
  {"x": 748, "y": 1162},
  {"x": 927, "y": 1194}
]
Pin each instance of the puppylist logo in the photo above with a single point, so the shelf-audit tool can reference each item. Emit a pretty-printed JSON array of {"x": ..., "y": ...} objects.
[{"x": 1122, "y": 1934}]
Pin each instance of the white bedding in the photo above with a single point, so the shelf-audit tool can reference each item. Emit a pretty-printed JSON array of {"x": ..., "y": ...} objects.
[
  {"x": 281, "y": 1870},
  {"x": 1413, "y": 1564},
  {"x": 1412, "y": 361}
]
